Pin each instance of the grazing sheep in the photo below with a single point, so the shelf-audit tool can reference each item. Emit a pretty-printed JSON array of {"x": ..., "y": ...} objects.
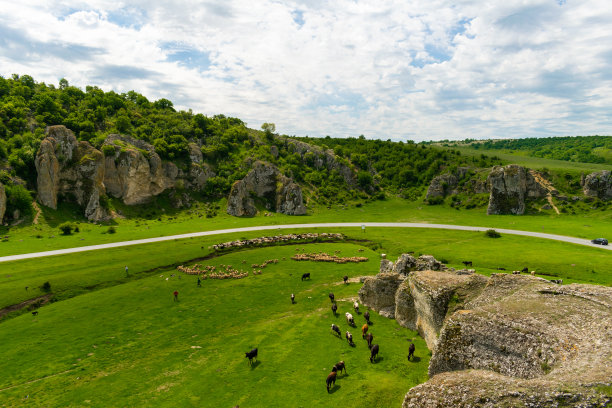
[
  {"x": 339, "y": 366},
  {"x": 373, "y": 353},
  {"x": 349, "y": 319},
  {"x": 336, "y": 329},
  {"x": 532, "y": 273},
  {"x": 331, "y": 379}
]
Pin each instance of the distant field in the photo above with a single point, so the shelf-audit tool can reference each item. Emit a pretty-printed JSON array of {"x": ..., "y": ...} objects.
[{"x": 131, "y": 345}]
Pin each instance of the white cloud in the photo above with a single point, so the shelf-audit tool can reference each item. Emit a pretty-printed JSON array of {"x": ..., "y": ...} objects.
[{"x": 386, "y": 69}]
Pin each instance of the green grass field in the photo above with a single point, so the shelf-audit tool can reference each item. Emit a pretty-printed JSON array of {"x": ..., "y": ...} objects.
[{"x": 131, "y": 345}]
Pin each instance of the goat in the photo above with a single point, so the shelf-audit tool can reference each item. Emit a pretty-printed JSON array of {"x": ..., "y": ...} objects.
[
  {"x": 373, "y": 353},
  {"x": 349, "y": 337},
  {"x": 364, "y": 330},
  {"x": 331, "y": 297},
  {"x": 334, "y": 308},
  {"x": 251, "y": 355},
  {"x": 345, "y": 279},
  {"x": 367, "y": 316},
  {"x": 411, "y": 351},
  {"x": 336, "y": 329},
  {"x": 331, "y": 379},
  {"x": 306, "y": 275},
  {"x": 292, "y": 299},
  {"x": 356, "y": 307},
  {"x": 339, "y": 366},
  {"x": 349, "y": 319}
]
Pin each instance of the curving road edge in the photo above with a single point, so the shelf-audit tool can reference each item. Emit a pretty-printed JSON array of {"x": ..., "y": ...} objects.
[{"x": 572, "y": 240}]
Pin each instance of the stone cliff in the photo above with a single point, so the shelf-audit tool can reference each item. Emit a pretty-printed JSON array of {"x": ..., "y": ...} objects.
[
  {"x": 71, "y": 169},
  {"x": 265, "y": 182},
  {"x": 509, "y": 186},
  {"x": 2, "y": 201},
  {"x": 598, "y": 184}
]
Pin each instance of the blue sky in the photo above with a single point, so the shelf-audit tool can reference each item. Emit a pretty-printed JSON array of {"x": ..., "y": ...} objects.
[{"x": 405, "y": 69}]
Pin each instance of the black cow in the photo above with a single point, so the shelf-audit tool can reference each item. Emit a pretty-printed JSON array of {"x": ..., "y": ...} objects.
[
  {"x": 34, "y": 313},
  {"x": 336, "y": 329},
  {"x": 373, "y": 353},
  {"x": 411, "y": 350},
  {"x": 467, "y": 263},
  {"x": 367, "y": 316},
  {"x": 331, "y": 379},
  {"x": 306, "y": 275},
  {"x": 251, "y": 355},
  {"x": 334, "y": 308},
  {"x": 501, "y": 269},
  {"x": 339, "y": 366},
  {"x": 292, "y": 298},
  {"x": 369, "y": 338},
  {"x": 331, "y": 297},
  {"x": 345, "y": 279},
  {"x": 525, "y": 270}
]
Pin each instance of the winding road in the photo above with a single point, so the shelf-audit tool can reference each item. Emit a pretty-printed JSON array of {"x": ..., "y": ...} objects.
[{"x": 571, "y": 240}]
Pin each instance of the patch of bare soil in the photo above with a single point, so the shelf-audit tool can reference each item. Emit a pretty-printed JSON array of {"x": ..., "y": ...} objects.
[{"x": 39, "y": 301}]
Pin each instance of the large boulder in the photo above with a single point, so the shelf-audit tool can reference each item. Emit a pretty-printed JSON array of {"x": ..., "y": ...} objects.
[
  {"x": 71, "y": 169},
  {"x": 378, "y": 292},
  {"x": 509, "y": 186},
  {"x": 523, "y": 341},
  {"x": 598, "y": 184},
  {"x": 265, "y": 182},
  {"x": 2, "y": 201},
  {"x": 134, "y": 172}
]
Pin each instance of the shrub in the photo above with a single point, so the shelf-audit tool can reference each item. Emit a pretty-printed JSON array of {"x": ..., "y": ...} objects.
[
  {"x": 492, "y": 234},
  {"x": 111, "y": 230},
  {"x": 66, "y": 228},
  {"x": 46, "y": 287}
]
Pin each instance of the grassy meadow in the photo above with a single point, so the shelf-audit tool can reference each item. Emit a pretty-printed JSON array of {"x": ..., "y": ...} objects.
[{"x": 132, "y": 345}]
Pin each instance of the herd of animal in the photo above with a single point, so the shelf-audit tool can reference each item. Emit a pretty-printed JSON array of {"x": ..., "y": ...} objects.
[{"x": 330, "y": 381}]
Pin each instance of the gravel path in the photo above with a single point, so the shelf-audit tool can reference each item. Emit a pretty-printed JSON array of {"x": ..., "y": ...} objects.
[{"x": 562, "y": 238}]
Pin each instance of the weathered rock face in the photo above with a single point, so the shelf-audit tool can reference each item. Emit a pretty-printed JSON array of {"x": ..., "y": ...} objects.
[
  {"x": 378, "y": 292},
  {"x": 509, "y": 186},
  {"x": 599, "y": 185},
  {"x": 523, "y": 341},
  {"x": 2, "y": 201},
  {"x": 71, "y": 169},
  {"x": 442, "y": 185},
  {"x": 266, "y": 182},
  {"x": 134, "y": 172}
]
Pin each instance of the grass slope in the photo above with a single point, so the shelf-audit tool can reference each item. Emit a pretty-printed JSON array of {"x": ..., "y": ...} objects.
[{"x": 131, "y": 345}]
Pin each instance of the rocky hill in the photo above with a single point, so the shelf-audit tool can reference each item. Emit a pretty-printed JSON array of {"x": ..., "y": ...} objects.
[{"x": 507, "y": 340}]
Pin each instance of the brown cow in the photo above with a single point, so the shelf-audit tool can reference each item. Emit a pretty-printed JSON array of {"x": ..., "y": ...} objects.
[
  {"x": 331, "y": 379},
  {"x": 364, "y": 330}
]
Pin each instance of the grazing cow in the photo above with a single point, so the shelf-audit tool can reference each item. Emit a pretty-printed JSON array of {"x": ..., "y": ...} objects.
[
  {"x": 467, "y": 263},
  {"x": 411, "y": 350},
  {"x": 356, "y": 307},
  {"x": 501, "y": 269},
  {"x": 373, "y": 353},
  {"x": 349, "y": 337},
  {"x": 339, "y": 366},
  {"x": 367, "y": 316},
  {"x": 557, "y": 281},
  {"x": 35, "y": 313},
  {"x": 292, "y": 298},
  {"x": 364, "y": 330},
  {"x": 349, "y": 319},
  {"x": 334, "y": 308},
  {"x": 516, "y": 272},
  {"x": 369, "y": 338},
  {"x": 306, "y": 275},
  {"x": 336, "y": 329},
  {"x": 251, "y": 355},
  {"x": 345, "y": 279},
  {"x": 331, "y": 297},
  {"x": 525, "y": 270},
  {"x": 331, "y": 380}
]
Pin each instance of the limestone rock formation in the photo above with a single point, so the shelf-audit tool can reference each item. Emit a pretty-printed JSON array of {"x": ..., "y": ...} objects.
[
  {"x": 378, "y": 292},
  {"x": 2, "y": 201},
  {"x": 522, "y": 341},
  {"x": 71, "y": 169},
  {"x": 509, "y": 186},
  {"x": 598, "y": 184},
  {"x": 265, "y": 182}
]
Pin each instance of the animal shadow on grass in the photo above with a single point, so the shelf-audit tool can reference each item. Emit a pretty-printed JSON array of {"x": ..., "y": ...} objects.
[
  {"x": 378, "y": 359},
  {"x": 255, "y": 364},
  {"x": 415, "y": 359},
  {"x": 335, "y": 388}
]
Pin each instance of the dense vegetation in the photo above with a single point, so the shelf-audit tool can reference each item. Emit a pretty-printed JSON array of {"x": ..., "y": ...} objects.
[{"x": 585, "y": 149}]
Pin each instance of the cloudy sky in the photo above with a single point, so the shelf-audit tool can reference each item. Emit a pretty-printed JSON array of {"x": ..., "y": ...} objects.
[{"x": 405, "y": 69}]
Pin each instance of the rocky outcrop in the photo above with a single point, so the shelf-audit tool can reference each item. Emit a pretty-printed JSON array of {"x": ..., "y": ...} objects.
[
  {"x": 2, "y": 201},
  {"x": 378, "y": 292},
  {"x": 265, "y": 182},
  {"x": 509, "y": 186},
  {"x": 598, "y": 184},
  {"x": 70, "y": 169},
  {"x": 522, "y": 341},
  {"x": 446, "y": 184}
]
